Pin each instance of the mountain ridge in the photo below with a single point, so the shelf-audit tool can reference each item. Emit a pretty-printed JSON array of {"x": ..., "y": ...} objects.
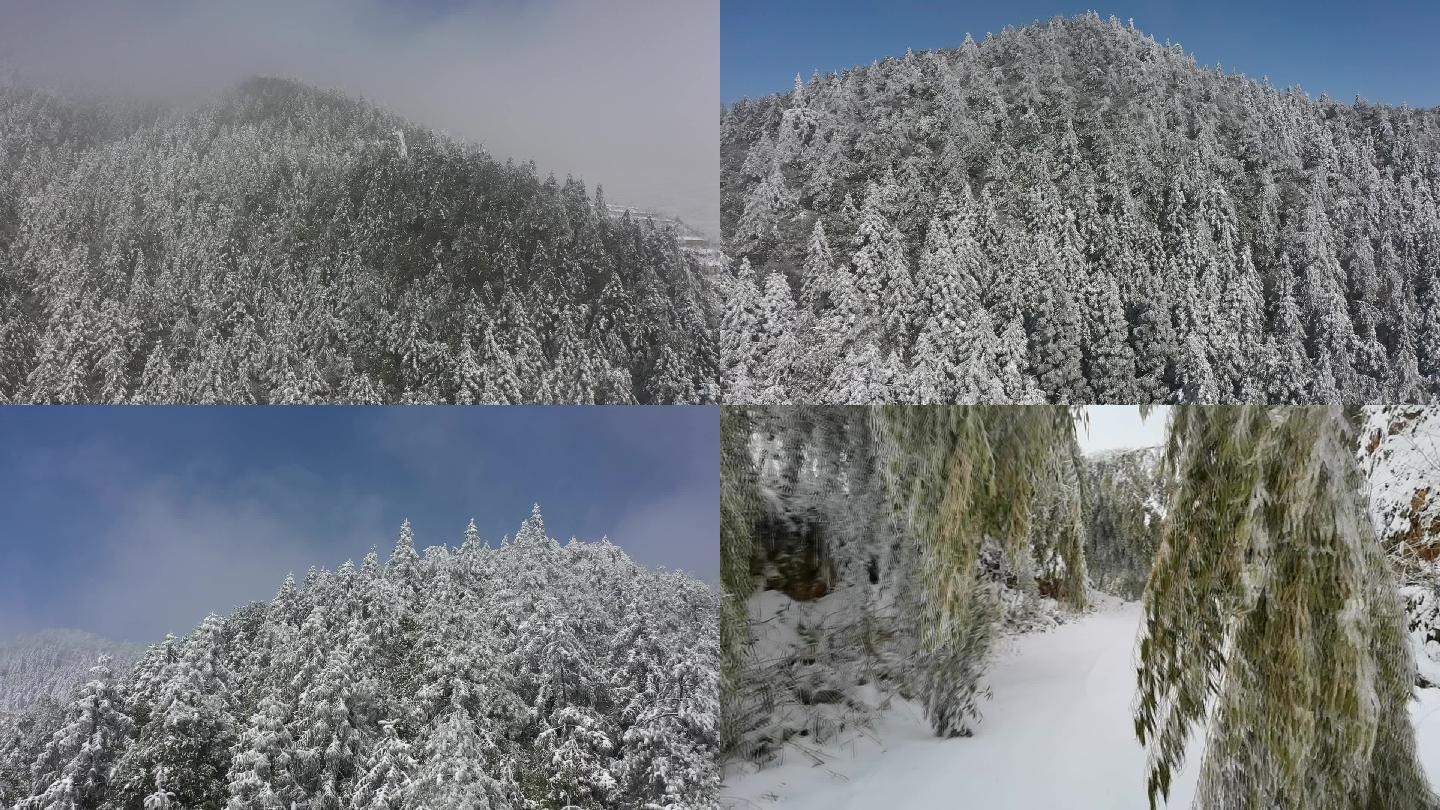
[
  {"x": 289, "y": 244},
  {"x": 1073, "y": 212}
]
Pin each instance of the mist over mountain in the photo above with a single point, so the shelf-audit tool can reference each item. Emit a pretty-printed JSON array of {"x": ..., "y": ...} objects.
[
  {"x": 51, "y": 663},
  {"x": 285, "y": 244},
  {"x": 1074, "y": 212}
]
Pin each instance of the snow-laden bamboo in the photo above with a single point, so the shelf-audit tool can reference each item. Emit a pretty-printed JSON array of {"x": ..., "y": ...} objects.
[{"x": 1272, "y": 623}]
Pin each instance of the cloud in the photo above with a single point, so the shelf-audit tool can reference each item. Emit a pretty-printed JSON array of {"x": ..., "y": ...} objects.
[
  {"x": 623, "y": 93},
  {"x": 683, "y": 526},
  {"x": 155, "y": 552},
  {"x": 168, "y": 557},
  {"x": 133, "y": 530}
]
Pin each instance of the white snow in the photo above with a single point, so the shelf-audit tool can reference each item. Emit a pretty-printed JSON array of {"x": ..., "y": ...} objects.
[
  {"x": 1426, "y": 713},
  {"x": 1057, "y": 733}
]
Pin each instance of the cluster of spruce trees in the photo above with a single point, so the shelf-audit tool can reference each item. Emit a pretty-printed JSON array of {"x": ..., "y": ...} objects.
[
  {"x": 534, "y": 676},
  {"x": 287, "y": 245},
  {"x": 1074, "y": 212}
]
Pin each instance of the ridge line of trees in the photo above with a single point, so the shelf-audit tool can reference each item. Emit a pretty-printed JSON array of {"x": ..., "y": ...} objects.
[{"x": 1074, "y": 212}]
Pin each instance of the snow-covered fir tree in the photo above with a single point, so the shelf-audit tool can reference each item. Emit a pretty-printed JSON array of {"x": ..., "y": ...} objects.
[{"x": 534, "y": 676}]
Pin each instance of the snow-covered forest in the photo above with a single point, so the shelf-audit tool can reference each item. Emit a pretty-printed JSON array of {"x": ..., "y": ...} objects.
[
  {"x": 1075, "y": 212},
  {"x": 289, "y": 245},
  {"x": 532, "y": 676},
  {"x": 919, "y": 601},
  {"x": 48, "y": 665}
]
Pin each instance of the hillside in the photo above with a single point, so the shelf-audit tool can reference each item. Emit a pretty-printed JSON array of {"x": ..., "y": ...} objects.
[
  {"x": 1074, "y": 212},
  {"x": 533, "y": 676},
  {"x": 286, "y": 245},
  {"x": 50, "y": 664}
]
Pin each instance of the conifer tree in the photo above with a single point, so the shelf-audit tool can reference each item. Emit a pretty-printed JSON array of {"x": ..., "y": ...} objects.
[
  {"x": 404, "y": 564},
  {"x": 453, "y": 771},
  {"x": 1054, "y": 343},
  {"x": 74, "y": 769},
  {"x": 817, "y": 276},
  {"x": 778, "y": 349},
  {"x": 260, "y": 776},
  {"x": 190, "y": 735},
  {"x": 386, "y": 782},
  {"x": 739, "y": 328},
  {"x": 881, "y": 271},
  {"x": 1107, "y": 361}
]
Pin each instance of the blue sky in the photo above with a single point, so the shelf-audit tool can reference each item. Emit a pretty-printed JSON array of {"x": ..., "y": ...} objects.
[
  {"x": 134, "y": 522},
  {"x": 1384, "y": 50}
]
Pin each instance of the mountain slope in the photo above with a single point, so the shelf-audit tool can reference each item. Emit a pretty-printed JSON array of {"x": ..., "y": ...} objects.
[
  {"x": 1073, "y": 211},
  {"x": 534, "y": 676},
  {"x": 51, "y": 663},
  {"x": 286, "y": 244}
]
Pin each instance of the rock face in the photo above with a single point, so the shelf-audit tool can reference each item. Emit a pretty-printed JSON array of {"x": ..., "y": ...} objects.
[
  {"x": 1400, "y": 450},
  {"x": 49, "y": 664}
]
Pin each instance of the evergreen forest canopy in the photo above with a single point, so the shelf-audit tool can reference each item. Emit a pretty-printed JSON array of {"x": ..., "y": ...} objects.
[
  {"x": 853, "y": 527},
  {"x": 1073, "y": 212},
  {"x": 534, "y": 676},
  {"x": 289, "y": 245}
]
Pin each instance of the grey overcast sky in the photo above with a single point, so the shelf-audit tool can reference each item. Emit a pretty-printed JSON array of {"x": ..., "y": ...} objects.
[
  {"x": 1117, "y": 427},
  {"x": 623, "y": 93},
  {"x": 134, "y": 522}
]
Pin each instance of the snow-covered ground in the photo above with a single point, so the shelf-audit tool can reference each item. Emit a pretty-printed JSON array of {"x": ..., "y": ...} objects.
[
  {"x": 1057, "y": 733},
  {"x": 1426, "y": 713}
]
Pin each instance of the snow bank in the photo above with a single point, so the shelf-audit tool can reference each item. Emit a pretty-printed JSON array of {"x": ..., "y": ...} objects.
[{"x": 1057, "y": 733}]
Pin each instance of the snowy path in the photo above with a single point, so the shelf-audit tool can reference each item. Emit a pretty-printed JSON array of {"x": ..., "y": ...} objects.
[{"x": 1057, "y": 733}]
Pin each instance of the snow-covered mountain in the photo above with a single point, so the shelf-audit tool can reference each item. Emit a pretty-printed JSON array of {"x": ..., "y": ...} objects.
[
  {"x": 532, "y": 676},
  {"x": 51, "y": 663},
  {"x": 1076, "y": 211},
  {"x": 284, "y": 244}
]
